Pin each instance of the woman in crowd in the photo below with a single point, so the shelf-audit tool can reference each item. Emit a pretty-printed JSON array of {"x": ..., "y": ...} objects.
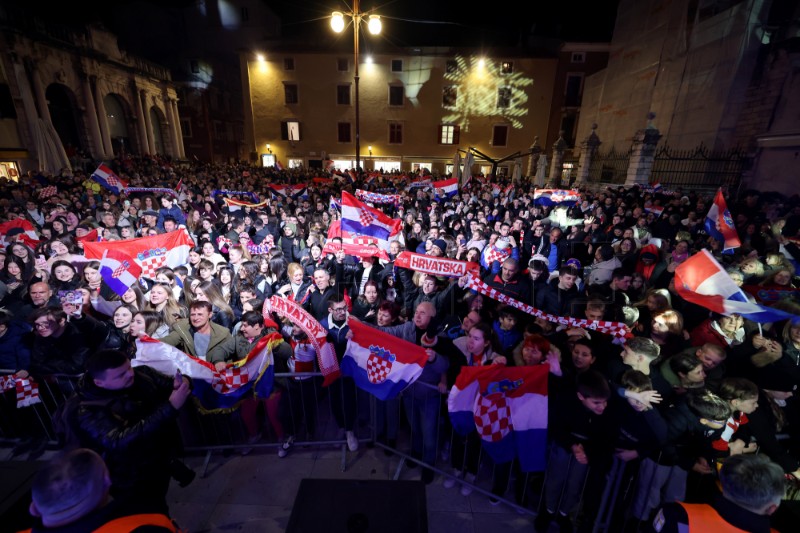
[
  {"x": 221, "y": 312},
  {"x": 162, "y": 301},
  {"x": 365, "y": 306}
]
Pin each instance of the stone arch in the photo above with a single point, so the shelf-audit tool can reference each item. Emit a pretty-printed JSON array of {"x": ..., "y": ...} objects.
[
  {"x": 119, "y": 123},
  {"x": 63, "y": 108},
  {"x": 160, "y": 129}
]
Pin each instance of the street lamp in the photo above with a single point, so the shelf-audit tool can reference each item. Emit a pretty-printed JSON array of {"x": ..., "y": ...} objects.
[{"x": 374, "y": 27}]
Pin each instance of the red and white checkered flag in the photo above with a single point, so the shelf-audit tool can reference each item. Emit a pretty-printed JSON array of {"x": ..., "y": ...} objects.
[
  {"x": 27, "y": 389},
  {"x": 48, "y": 191}
]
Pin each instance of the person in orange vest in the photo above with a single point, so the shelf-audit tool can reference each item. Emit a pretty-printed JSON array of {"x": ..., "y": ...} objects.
[
  {"x": 752, "y": 489},
  {"x": 71, "y": 494}
]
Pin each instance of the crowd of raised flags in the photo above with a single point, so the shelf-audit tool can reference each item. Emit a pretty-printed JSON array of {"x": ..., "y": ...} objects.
[{"x": 506, "y": 405}]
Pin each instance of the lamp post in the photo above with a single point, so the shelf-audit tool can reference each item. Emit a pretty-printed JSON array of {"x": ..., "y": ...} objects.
[{"x": 374, "y": 26}]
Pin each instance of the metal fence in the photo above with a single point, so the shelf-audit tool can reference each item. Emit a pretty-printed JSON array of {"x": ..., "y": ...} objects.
[
  {"x": 610, "y": 167},
  {"x": 300, "y": 411},
  {"x": 699, "y": 167}
]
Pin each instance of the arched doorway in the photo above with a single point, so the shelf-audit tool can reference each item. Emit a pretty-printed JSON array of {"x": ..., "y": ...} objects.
[
  {"x": 159, "y": 121},
  {"x": 117, "y": 118},
  {"x": 61, "y": 104}
]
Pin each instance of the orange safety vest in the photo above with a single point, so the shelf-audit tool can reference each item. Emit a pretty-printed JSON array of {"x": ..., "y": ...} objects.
[
  {"x": 130, "y": 523},
  {"x": 703, "y": 517}
]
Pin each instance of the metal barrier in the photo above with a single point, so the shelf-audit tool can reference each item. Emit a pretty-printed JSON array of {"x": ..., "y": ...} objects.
[{"x": 302, "y": 412}]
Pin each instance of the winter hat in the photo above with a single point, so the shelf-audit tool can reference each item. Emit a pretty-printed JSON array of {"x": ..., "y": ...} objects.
[{"x": 440, "y": 244}]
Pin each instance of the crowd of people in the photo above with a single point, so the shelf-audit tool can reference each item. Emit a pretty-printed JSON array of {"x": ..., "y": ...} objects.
[{"x": 686, "y": 391}]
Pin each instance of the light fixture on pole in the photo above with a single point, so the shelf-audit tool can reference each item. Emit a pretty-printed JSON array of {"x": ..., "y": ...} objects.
[
  {"x": 374, "y": 27},
  {"x": 369, "y": 149},
  {"x": 269, "y": 149}
]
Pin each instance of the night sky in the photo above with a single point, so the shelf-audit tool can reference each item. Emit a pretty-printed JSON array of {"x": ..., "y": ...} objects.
[{"x": 406, "y": 22}]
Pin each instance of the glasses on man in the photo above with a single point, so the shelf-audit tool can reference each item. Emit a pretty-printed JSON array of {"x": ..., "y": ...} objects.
[
  {"x": 44, "y": 325},
  {"x": 339, "y": 309}
]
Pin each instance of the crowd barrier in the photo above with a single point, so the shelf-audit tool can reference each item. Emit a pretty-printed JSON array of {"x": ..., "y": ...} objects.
[{"x": 300, "y": 407}]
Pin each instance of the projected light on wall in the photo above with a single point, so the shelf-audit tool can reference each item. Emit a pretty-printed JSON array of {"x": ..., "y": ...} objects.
[{"x": 484, "y": 91}]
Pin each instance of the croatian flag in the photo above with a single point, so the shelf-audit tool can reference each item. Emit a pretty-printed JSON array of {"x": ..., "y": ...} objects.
[
  {"x": 108, "y": 180},
  {"x": 335, "y": 204},
  {"x": 508, "y": 408},
  {"x": 151, "y": 253},
  {"x": 119, "y": 271},
  {"x": 381, "y": 364},
  {"x": 719, "y": 224},
  {"x": 361, "y": 220},
  {"x": 702, "y": 281},
  {"x": 448, "y": 187},
  {"x": 17, "y": 229},
  {"x": 555, "y": 196},
  {"x": 214, "y": 389},
  {"x": 655, "y": 209}
]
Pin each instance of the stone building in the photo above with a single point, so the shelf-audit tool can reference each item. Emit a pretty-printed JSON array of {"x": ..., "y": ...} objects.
[
  {"x": 719, "y": 75},
  {"x": 417, "y": 106},
  {"x": 66, "y": 91}
]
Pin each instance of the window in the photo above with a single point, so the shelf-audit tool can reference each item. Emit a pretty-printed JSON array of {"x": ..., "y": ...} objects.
[
  {"x": 194, "y": 65},
  {"x": 506, "y": 67},
  {"x": 578, "y": 57},
  {"x": 450, "y": 96},
  {"x": 568, "y": 127},
  {"x": 344, "y": 132},
  {"x": 397, "y": 65},
  {"x": 290, "y": 93},
  {"x": 342, "y": 65},
  {"x": 7, "y": 109},
  {"x": 396, "y": 95},
  {"x": 503, "y": 97},
  {"x": 290, "y": 130},
  {"x": 186, "y": 127},
  {"x": 288, "y": 63},
  {"x": 572, "y": 90},
  {"x": 343, "y": 94},
  {"x": 500, "y": 135},
  {"x": 451, "y": 67},
  {"x": 395, "y": 133},
  {"x": 268, "y": 160},
  {"x": 295, "y": 163},
  {"x": 449, "y": 134}
]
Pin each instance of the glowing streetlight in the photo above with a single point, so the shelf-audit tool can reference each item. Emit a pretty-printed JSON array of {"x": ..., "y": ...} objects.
[{"x": 374, "y": 27}]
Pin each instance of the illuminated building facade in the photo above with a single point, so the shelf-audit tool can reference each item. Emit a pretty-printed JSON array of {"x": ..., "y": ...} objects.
[{"x": 417, "y": 106}]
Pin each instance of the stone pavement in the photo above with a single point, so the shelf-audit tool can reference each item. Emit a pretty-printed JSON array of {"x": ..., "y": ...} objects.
[{"x": 255, "y": 493}]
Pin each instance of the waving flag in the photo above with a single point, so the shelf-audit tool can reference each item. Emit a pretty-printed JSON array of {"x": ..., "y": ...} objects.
[
  {"x": 92, "y": 236},
  {"x": 655, "y": 209},
  {"x": 449, "y": 187},
  {"x": 508, "y": 407},
  {"x": 719, "y": 224},
  {"x": 16, "y": 229},
  {"x": 47, "y": 192},
  {"x": 360, "y": 219},
  {"x": 555, "y": 196},
  {"x": 213, "y": 388},
  {"x": 702, "y": 281},
  {"x": 151, "y": 253},
  {"x": 108, "y": 180},
  {"x": 381, "y": 364},
  {"x": 119, "y": 271}
]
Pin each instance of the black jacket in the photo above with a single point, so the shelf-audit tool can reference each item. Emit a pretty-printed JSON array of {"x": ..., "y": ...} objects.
[
  {"x": 133, "y": 429},
  {"x": 66, "y": 354}
]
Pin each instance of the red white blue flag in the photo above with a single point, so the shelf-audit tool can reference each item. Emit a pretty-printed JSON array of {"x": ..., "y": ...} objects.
[
  {"x": 702, "y": 281},
  {"x": 215, "y": 389},
  {"x": 381, "y": 364},
  {"x": 719, "y": 224},
  {"x": 151, "y": 253},
  {"x": 448, "y": 188},
  {"x": 360, "y": 219},
  {"x": 508, "y": 408},
  {"x": 119, "y": 271},
  {"x": 555, "y": 196},
  {"x": 17, "y": 229},
  {"x": 108, "y": 180}
]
